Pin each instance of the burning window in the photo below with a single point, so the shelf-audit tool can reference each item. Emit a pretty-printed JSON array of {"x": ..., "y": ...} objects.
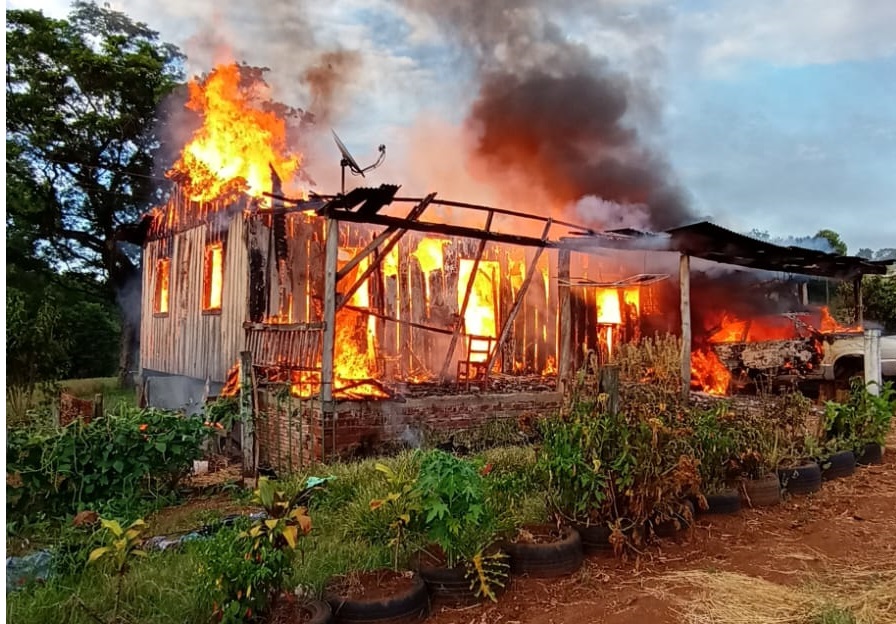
[
  {"x": 160, "y": 299},
  {"x": 482, "y": 307},
  {"x": 213, "y": 277}
]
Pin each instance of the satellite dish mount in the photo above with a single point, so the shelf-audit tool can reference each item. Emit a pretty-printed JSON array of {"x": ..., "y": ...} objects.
[{"x": 349, "y": 161}]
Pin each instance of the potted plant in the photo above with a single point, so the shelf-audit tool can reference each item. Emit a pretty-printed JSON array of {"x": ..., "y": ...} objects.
[
  {"x": 798, "y": 471},
  {"x": 716, "y": 448},
  {"x": 459, "y": 522},
  {"x": 862, "y": 423},
  {"x": 577, "y": 478},
  {"x": 395, "y": 594},
  {"x": 247, "y": 570},
  {"x": 756, "y": 451}
]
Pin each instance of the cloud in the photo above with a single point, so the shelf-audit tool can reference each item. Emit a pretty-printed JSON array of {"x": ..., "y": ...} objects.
[{"x": 794, "y": 33}]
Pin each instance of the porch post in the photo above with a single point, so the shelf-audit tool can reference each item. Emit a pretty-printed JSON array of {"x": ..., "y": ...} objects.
[
  {"x": 564, "y": 322},
  {"x": 329, "y": 337},
  {"x": 684, "y": 280}
]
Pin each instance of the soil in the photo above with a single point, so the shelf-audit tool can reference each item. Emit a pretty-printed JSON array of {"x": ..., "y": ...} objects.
[
  {"x": 288, "y": 611},
  {"x": 538, "y": 534},
  {"x": 372, "y": 585},
  {"x": 850, "y": 521}
]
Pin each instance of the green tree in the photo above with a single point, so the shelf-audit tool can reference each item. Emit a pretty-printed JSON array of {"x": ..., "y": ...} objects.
[
  {"x": 35, "y": 352},
  {"x": 82, "y": 98},
  {"x": 837, "y": 244}
]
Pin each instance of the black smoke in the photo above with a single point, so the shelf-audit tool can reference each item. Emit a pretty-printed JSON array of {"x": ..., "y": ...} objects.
[{"x": 550, "y": 109}]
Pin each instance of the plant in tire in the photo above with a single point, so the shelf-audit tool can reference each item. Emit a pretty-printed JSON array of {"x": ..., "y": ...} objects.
[
  {"x": 717, "y": 448},
  {"x": 246, "y": 571},
  {"x": 457, "y": 516},
  {"x": 864, "y": 419}
]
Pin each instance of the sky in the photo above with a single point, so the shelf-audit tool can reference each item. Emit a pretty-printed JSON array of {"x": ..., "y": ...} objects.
[{"x": 776, "y": 116}]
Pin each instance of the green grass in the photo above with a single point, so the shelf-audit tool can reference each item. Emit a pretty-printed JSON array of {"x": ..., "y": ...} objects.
[
  {"x": 113, "y": 394},
  {"x": 165, "y": 587}
]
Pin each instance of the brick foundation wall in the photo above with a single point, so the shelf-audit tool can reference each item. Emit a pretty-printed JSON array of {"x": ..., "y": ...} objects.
[{"x": 292, "y": 433}]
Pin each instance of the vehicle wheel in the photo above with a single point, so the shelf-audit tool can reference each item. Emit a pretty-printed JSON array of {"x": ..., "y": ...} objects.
[
  {"x": 872, "y": 454},
  {"x": 411, "y": 605},
  {"x": 553, "y": 559},
  {"x": 803, "y": 479},
  {"x": 726, "y": 502},
  {"x": 763, "y": 492},
  {"x": 848, "y": 367},
  {"x": 838, "y": 465}
]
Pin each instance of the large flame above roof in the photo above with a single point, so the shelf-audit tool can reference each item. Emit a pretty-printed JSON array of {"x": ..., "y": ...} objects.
[{"x": 239, "y": 137}]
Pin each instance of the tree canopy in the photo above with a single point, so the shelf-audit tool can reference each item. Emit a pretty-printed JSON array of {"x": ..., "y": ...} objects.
[{"x": 83, "y": 100}]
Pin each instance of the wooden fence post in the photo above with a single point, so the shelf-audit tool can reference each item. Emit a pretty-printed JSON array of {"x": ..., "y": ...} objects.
[
  {"x": 684, "y": 281},
  {"x": 247, "y": 414}
]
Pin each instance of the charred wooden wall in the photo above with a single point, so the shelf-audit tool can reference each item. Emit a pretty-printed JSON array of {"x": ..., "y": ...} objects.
[{"x": 188, "y": 340}]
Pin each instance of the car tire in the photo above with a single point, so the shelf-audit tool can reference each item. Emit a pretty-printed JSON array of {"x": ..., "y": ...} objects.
[
  {"x": 871, "y": 455},
  {"x": 838, "y": 465},
  {"x": 560, "y": 558},
  {"x": 725, "y": 502},
  {"x": 803, "y": 479},
  {"x": 763, "y": 492}
]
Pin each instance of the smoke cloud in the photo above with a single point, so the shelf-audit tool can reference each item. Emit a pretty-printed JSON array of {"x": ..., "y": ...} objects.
[{"x": 549, "y": 109}]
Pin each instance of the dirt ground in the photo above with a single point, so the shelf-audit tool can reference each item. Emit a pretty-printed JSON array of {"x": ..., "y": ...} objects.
[{"x": 850, "y": 521}]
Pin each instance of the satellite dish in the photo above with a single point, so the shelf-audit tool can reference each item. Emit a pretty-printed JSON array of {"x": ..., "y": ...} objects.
[{"x": 349, "y": 161}]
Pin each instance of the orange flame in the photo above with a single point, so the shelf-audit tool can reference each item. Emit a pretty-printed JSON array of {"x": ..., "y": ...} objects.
[
  {"x": 708, "y": 373},
  {"x": 237, "y": 139},
  {"x": 829, "y": 325},
  {"x": 479, "y": 318},
  {"x": 214, "y": 268},
  {"x": 608, "y": 306},
  {"x": 431, "y": 256}
]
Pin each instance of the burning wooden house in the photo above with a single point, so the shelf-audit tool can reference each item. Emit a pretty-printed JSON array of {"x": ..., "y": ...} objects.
[{"x": 366, "y": 317}]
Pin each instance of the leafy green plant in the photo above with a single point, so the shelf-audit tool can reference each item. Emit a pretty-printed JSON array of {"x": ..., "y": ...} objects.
[
  {"x": 128, "y": 454},
  {"x": 456, "y": 515},
  {"x": 122, "y": 546},
  {"x": 864, "y": 419},
  {"x": 397, "y": 507},
  {"x": 717, "y": 447},
  {"x": 246, "y": 571}
]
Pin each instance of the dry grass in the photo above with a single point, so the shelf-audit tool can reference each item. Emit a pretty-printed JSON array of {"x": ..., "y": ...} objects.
[
  {"x": 847, "y": 595},
  {"x": 656, "y": 359}
]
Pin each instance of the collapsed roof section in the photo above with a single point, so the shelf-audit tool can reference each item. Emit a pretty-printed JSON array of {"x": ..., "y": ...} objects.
[{"x": 701, "y": 240}]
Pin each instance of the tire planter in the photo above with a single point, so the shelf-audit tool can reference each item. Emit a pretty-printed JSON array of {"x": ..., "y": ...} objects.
[
  {"x": 763, "y": 492},
  {"x": 681, "y": 521},
  {"x": 405, "y": 607},
  {"x": 838, "y": 465},
  {"x": 448, "y": 586},
  {"x": 315, "y": 612},
  {"x": 872, "y": 454},
  {"x": 595, "y": 538},
  {"x": 725, "y": 502},
  {"x": 547, "y": 560},
  {"x": 803, "y": 479},
  {"x": 288, "y": 610}
]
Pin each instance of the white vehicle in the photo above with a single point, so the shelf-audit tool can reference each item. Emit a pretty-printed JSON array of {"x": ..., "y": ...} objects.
[{"x": 843, "y": 356}]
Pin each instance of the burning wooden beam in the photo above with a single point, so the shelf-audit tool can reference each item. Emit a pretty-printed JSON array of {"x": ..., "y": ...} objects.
[
  {"x": 564, "y": 320},
  {"x": 345, "y": 298}
]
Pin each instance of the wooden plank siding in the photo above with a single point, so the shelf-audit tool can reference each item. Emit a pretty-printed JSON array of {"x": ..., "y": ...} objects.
[{"x": 187, "y": 341}]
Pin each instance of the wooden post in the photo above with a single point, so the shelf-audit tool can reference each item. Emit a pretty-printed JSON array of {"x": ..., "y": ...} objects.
[
  {"x": 873, "y": 377},
  {"x": 97, "y": 406},
  {"x": 609, "y": 384},
  {"x": 857, "y": 294},
  {"x": 459, "y": 323},
  {"x": 331, "y": 255},
  {"x": 564, "y": 321},
  {"x": 532, "y": 269},
  {"x": 247, "y": 414},
  {"x": 804, "y": 293},
  {"x": 684, "y": 281}
]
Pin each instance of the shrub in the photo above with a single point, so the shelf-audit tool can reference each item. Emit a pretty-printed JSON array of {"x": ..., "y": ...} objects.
[
  {"x": 245, "y": 571},
  {"x": 864, "y": 419},
  {"x": 127, "y": 455}
]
